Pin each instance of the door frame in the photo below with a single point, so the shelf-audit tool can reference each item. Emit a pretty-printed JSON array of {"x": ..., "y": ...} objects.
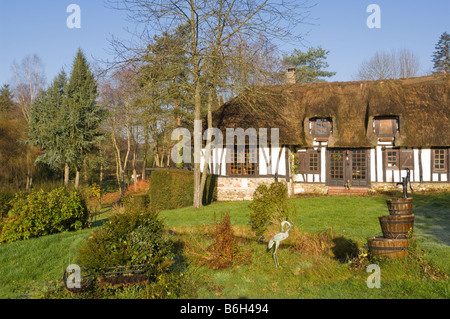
[{"x": 347, "y": 167}]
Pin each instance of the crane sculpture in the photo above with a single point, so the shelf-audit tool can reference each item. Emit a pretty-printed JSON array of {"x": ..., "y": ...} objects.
[{"x": 277, "y": 240}]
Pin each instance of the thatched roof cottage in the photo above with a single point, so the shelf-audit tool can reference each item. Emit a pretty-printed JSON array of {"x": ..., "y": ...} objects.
[{"x": 359, "y": 135}]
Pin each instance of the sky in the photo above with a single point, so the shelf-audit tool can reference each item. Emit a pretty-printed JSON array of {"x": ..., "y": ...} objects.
[{"x": 39, "y": 27}]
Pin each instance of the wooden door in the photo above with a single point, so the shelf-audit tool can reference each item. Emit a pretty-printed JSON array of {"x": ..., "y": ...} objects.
[
  {"x": 336, "y": 167},
  {"x": 348, "y": 165},
  {"x": 359, "y": 167}
]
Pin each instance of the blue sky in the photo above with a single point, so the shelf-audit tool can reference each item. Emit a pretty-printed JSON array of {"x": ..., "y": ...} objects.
[{"x": 39, "y": 26}]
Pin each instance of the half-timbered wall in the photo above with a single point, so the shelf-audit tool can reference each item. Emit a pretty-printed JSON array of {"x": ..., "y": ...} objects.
[
  {"x": 270, "y": 161},
  {"x": 276, "y": 161},
  {"x": 420, "y": 163}
]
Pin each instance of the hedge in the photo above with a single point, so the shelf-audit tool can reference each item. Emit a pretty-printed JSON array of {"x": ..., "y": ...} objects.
[{"x": 170, "y": 189}]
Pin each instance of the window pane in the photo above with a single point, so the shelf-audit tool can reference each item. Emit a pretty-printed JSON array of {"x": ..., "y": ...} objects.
[
  {"x": 321, "y": 127},
  {"x": 243, "y": 162},
  {"x": 337, "y": 165},
  {"x": 314, "y": 162},
  {"x": 392, "y": 158},
  {"x": 439, "y": 160},
  {"x": 358, "y": 164}
]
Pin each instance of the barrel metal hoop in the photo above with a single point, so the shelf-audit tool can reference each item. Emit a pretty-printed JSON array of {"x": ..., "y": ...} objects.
[{"x": 389, "y": 248}]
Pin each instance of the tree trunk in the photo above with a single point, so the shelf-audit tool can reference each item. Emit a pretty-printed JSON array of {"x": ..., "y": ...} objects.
[
  {"x": 133, "y": 165},
  {"x": 77, "y": 178},
  {"x": 197, "y": 147},
  {"x": 101, "y": 175},
  {"x": 207, "y": 148},
  {"x": 197, "y": 104},
  {"x": 29, "y": 164},
  {"x": 66, "y": 174},
  {"x": 144, "y": 165},
  {"x": 85, "y": 173},
  {"x": 29, "y": 181},
  {"x": 144, "y": 161}
]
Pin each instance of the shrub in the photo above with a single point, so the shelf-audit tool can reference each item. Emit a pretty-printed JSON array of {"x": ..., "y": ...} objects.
[
  {"x": 42, "y": 213},
  {"x": 269, "y": 205},
  {"x": 129, "y": 238},
  {"x": 224, "y": 251},
  {"x": 170, "y": 189},
  {"x": 136, "y": 202},
  {"x": 135, "y": 237},
  {"x": 5, "y": 204}
]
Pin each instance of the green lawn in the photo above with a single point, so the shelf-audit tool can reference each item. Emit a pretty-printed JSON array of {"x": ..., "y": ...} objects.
[
  {"x": 29, "y": 268},
  {"x": 353, "y": 219}
]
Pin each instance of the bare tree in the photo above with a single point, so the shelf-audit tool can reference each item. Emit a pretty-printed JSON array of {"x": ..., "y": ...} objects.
[
  {"x": 212, "y": 25},
  {"x": 389, "y": 65},
  {"x": 118, "y": 95},
  {"x": 408, "y": 64},
  {"x": 29, "y": 81}
]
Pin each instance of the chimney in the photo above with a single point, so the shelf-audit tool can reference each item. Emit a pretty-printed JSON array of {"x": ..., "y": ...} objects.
[{"x": 290, "y": 75}]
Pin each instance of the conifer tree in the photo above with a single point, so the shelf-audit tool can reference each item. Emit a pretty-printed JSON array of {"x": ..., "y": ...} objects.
[
  {"x": 6, "y": 99},
  {"x": 48, "y": 127},
  {"x": 441, "y": 57},
  {"x": 83, "y": 113},
  {"x": 310, "y": 65},
  {"x": 65, "y": 119}
]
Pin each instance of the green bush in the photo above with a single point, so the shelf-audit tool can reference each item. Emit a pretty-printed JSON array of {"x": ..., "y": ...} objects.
[
  {"x": 269, "y": 205},
  {"x": 133, "y": 202},
  {"x": 5, "y": 204},
  {"x": 170, "y": 189},
  {"x": 42, "y": 213},
  {"x": 129, "y": 238}
]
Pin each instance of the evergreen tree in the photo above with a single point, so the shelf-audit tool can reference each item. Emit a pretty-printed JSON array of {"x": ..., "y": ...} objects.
[
  {"x": 83, "y": 113},
  {"x": 65, "y": 119},
  {"x": 48, "y": 126},
  {"x": 310, "y": 65},
  {"x": 441, "y": 57},
  {"x": 6, "y": 99}
]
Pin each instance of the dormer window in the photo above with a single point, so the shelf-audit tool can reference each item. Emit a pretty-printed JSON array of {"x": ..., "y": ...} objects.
[
  {"x": 320, "y": 127},
  {"x": 385, "y": 126}
]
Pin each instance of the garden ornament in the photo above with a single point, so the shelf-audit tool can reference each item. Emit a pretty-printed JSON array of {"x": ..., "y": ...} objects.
[{"x": 277, "y": 239}]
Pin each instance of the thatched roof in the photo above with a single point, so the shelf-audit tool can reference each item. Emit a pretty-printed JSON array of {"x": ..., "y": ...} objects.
[{"x": 421, "y": 104}]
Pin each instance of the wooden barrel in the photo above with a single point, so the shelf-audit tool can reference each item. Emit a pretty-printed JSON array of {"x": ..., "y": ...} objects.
[
  {"x": 387, "y": 247},
  {"x": 400, "y": 206},
  {"x": 397, "y": 226}
]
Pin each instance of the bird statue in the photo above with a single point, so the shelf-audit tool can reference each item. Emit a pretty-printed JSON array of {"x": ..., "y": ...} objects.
[{"x": 277, "y": 239}]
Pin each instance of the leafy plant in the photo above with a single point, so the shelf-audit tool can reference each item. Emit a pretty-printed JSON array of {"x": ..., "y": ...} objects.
[
  {"x": 42, "y": 213},
  {"x": 269, "y": 205},
  {"x": 5, "y": 204},
  {"x": 130, "y": 238}
]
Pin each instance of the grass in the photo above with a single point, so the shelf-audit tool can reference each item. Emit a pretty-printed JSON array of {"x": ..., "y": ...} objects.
[
  {"x": 30, "y": 268},
  {"x": 318, "y": 275}
]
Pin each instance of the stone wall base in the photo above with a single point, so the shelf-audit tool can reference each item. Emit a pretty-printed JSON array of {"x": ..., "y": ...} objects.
[
  {"x": 415, "y": 186},
  {"x": 309, "y": 188},
  {"x": 236, "y": 189}
]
